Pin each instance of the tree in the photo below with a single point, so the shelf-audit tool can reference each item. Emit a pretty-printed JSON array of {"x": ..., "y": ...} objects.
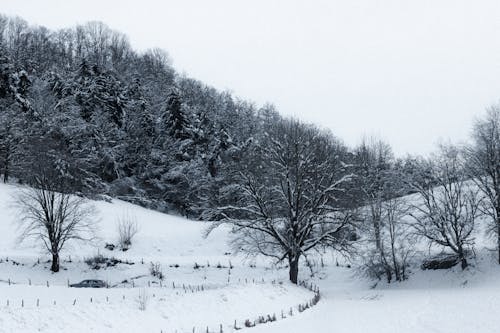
[
  {"x": 176, "y": 123},
  {"x": 14, "y": 87},
  {"x": 139, "y": 130},
  {"x": 376, "y": 184},
  {"x": 287, "y": 195},
  {"x": 484, "y": 165},
  {"x": 8, "y": 142},
  {"x": 448, "y": 206},
  {"x": 396, "y": 240},
  {"x": 53, "y": 215}
]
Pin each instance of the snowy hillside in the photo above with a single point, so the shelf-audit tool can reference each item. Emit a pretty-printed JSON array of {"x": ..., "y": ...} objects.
[
  {"x": 204, "y": 284},
  {"x": 207, "y": 286}
]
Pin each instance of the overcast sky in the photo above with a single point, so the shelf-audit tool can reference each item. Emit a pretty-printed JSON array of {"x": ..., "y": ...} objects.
[{"x": 411, "y": 72}]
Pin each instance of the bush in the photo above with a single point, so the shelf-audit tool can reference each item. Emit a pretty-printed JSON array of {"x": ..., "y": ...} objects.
[
  {"x": 127, "y": 229},
  {"x": 156, "y": 270},
  {"x": 99, "y": 261},
  {"x": 109, "y": 246}
]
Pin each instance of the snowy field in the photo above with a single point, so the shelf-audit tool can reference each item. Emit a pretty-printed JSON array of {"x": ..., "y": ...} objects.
[{"x": 206, "y": 285}]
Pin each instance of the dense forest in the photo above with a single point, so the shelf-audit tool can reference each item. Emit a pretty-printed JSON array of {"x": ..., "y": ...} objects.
[
  {"x": 81, "y": 107},
  {"x": 114, "y": 121}
]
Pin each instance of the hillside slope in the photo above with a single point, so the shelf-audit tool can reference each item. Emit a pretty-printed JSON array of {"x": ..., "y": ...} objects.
[{"x": 234, "y": 287}]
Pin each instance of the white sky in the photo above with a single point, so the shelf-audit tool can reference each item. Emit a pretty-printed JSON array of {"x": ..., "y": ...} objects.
[{"x": 411, "y": 72}]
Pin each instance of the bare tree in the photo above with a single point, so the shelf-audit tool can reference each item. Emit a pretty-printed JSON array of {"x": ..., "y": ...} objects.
[
  {"x": 484, "y": 165},
  {"x": 375, "y": 180},
  {"x": 127, "y": 229},
  {"x": 54, "y": 216},
  {"x": 448, "y": 207},
  {"x": 400, "y": 240},
  {"x": 389, "y": 257},
  {"x": 374, "y": 159},
  {"x": 287, "y": 195}
]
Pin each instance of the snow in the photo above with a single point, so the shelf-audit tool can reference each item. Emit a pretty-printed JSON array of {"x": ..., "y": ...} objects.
[
  {"x": 430, "y": 301},
  {"x": 435, "y": 301},
  {"x": 167, "y": 310}
]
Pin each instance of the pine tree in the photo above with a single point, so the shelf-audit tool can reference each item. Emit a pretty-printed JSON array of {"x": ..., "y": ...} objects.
[{"x": 176, "y": 122}]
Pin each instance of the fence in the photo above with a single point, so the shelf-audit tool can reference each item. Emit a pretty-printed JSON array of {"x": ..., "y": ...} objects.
[
  {"x": 262, "y": 319},
  {"x": 185, "y": 288}
]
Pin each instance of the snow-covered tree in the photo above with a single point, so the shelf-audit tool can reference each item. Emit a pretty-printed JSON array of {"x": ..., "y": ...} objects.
[
  {"x": 446, "y": 211},
  {"x": 373, "y": 160},
  {"x": 176, "y": 122},
  {"x": 378, "y": 184},
  {"x": 397, "y": 243},
  {"x": 14, "y": 109},
  {"x": 484, "y": 165},
  {"x": 287, "y": 194}
]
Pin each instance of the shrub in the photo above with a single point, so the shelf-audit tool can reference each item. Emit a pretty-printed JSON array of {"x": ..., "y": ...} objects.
[
  {"x": 99, "y": 261},
  {"x": 156, "y": 270},
  {"x": 127, "y": 229},
  {"x": 109, "y": 246}
]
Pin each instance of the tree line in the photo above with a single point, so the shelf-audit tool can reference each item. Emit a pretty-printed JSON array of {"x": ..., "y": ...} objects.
[{"x": 82, "y": 113}]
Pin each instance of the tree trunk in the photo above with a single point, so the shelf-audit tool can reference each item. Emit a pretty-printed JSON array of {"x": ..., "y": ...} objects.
[
  {"x": 376, "y": 225},
  {"x": 6, "y": 168},
  {"x": 464, "y": 263},
  {"x": 388, "y": 274},
  {"x": 293, "y": 262},
  {"x": 378, "y": 240},
  {"x": 55, "y": 262},
  {"x": 498, "y": 230},
  {"x": 6, "y": 174},
  {"x": 462, "y": 258},
  {"x": 396, "y": 266}
]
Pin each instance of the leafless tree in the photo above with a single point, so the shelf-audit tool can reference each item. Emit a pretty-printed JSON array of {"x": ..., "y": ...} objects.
[
  {"x": 127, "y": 229},
  {"x": 375, "y": 180},
  {"x": 54, "y": 216},
  {"x": 373, "y": 159},
  {"x": 484, "y": 165},
  {"x": 389, "y": 257},
  {"x": 400, "y": 240},
  {"x": 287, "y": 195},
  {"x": 448, "y": 206}
]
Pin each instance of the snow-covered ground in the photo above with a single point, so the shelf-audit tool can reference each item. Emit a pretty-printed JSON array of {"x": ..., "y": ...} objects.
[
  {"x": 223, "y": 288},
  {"x": 444, "y": 302}
]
